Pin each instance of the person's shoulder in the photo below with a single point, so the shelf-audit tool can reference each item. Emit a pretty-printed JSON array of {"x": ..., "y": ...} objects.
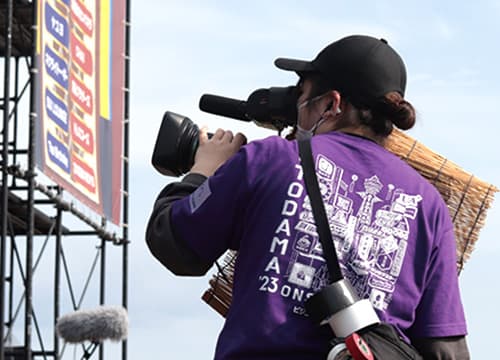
[
  {"x": 271, "y": 145},
  {"x": 271, "y": 141},
  {"x": 434, "y": 197},
  {"x": 426, "y": 185},
  {"x": 269, "y": 156}
]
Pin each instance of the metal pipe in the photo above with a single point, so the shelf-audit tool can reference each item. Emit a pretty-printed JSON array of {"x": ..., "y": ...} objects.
[
  {"x": 65, "y": 205},
  {"x": 13, "y": 171},
  {"x": 126, "y": 114},
  {"x": 16, "y": 117},
  {"x": 5, "y": 188},
  {"x": 17, "y": 151},
  {"x": 11, "y": 277},
  {"x": 57, "y": 275},
  {"x": 19, "y": 95},
  {"x": 102, "y": 288},
  {"x": 89, "y": 278},
  {"x": 81, "y": 233},
  {"x": 17, "y": 257},
  {"x": 43, "y": 353},
  {"x": 31, "y": 186}
]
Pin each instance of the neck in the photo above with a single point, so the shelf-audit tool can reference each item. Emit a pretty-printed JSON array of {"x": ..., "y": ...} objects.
[
  {"x": 363, "y": 131},
  {"x": 348, "y": 122}
]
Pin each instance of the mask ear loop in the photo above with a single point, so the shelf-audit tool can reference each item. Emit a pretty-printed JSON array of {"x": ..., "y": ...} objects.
[
  {"x": 321, "y": 119},
  {"x": 330, "y": 104}
]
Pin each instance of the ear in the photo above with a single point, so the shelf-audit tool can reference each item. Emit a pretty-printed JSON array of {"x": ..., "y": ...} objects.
[
  {"x": 338, "y": 101},
  {"x": 334, "y": 100}
]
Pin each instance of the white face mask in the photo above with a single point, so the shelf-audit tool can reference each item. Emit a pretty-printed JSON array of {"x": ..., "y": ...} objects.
[{"x": 303, "y": 134}]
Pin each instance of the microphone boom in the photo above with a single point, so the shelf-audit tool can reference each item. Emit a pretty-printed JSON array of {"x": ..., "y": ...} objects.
[{"x": 223, "y": 106}]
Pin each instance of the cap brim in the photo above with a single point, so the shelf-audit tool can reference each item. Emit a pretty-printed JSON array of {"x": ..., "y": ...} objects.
[{"x": 293, "y": 65}]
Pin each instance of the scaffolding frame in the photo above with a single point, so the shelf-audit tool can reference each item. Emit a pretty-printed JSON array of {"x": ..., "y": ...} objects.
[{"x": 26, "y": 203}]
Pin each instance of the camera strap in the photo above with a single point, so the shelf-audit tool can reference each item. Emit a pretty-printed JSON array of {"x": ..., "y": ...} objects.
[{"x": 318, "y": 209}]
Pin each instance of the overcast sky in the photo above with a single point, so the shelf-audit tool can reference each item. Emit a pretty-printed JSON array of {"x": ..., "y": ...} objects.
[{"x": 183, "y": 49}]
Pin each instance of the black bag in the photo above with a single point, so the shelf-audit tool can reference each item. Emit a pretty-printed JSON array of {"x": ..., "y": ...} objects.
[
  {"x": 385, "y": 343},
  {"x": 382, "y": 339}
]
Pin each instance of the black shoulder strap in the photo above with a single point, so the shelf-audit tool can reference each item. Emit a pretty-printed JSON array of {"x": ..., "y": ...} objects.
[{"x": 318, "y": 208}]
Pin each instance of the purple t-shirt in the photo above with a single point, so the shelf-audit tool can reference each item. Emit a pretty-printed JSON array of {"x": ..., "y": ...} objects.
[{"x": 392, "y": 232}]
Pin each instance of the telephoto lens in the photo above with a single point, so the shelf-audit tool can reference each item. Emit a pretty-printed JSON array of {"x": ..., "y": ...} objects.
[{"x": 176, "y": 145}]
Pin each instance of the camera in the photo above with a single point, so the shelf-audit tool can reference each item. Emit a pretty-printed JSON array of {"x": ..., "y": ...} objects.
[{"x": 178, "y": 136}]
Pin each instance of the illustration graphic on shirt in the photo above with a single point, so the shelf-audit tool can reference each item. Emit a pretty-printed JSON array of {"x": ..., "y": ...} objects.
[{"x": 370, "y": 240}]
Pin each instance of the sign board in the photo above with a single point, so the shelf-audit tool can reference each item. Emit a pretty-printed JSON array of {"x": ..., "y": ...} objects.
[{"x": 80, "y": 99}]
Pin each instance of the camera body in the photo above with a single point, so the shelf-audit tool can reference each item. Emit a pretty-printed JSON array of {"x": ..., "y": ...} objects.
[{"x": 178, "y": 136}]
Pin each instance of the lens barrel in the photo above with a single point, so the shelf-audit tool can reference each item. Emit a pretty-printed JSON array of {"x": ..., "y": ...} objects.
[{"x": 176, "y": 145}]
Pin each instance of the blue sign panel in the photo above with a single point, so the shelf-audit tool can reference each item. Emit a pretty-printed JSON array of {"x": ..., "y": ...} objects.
[{"x": 58, "y": 153}]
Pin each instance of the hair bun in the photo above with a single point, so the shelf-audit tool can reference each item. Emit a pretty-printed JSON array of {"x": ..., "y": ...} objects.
[
  {"x": 404, "y": 117},
  {"x": 400, "y": 111}
]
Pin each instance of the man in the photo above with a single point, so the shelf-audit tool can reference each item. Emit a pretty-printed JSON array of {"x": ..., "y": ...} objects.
[{"x": 392, "y": 231}]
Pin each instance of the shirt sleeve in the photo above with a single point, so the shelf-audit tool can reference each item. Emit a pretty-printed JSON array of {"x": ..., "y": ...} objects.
[
  {"x": 172, "y": 252},
  {"x": 210, "y": 220},
  {"x": 440, "y": 312},
  {"x": 446, "y": 348}
]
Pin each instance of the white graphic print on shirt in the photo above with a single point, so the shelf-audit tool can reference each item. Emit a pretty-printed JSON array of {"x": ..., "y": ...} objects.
[{"x": 370, "y": 241}]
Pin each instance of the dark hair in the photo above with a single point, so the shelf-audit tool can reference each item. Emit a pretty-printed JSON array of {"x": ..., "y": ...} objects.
[
  {"x": 381, "y": 115},
  {"x": 387, "y": 111},
  {"x": 319, "y": 85}
]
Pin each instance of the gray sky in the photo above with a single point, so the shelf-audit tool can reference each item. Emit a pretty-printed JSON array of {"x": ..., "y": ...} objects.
[{"x": 183, "y": 49}]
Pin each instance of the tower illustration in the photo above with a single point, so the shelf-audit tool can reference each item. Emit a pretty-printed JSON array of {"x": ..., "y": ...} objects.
[{"x": 372, "y": 188}]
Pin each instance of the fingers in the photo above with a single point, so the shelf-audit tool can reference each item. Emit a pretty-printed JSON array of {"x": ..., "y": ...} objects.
[
  {"x": 203, "y": 134},
  {"x": 227, "y": 136},
  {"x": 239, "y": 140},
  {"x": 213, "y": 152},
  {"x": 223, "y": 135},
  {"x": 219, "y": 134}
]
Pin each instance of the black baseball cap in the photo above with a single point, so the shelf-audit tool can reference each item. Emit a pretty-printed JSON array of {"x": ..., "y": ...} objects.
[{"x": 362, "y": 67}]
